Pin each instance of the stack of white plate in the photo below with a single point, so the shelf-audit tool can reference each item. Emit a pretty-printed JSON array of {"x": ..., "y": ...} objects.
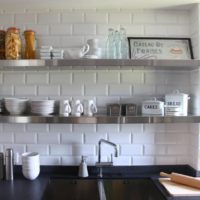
[
  {"x": 16, "y": 106},
  {"x": 42, "y": 107}
]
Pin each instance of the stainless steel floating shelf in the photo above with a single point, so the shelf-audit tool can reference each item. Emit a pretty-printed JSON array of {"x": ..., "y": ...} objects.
[
  {"x": 98, "y": 63},
  {"x": 99, "y": 119}
]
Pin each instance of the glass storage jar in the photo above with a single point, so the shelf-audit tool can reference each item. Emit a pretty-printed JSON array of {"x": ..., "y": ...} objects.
[
  {"x": 2, "y": 44},
  {"x": 13, "y": 44},
  {"x": 29, "y": 37}
]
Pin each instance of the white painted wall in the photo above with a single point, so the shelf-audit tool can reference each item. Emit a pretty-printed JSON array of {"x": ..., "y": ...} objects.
[{"x": 61, "y": 144}]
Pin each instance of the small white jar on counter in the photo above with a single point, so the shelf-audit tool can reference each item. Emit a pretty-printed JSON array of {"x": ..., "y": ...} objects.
[{"x": 153, "y": 107}]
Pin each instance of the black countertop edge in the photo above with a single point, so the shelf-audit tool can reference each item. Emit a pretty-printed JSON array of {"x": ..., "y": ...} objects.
[{"x": 114, "y": 171}]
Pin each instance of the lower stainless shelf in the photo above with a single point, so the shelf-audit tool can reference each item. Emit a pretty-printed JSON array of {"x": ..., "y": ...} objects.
[{"x": 99, "y": 119}]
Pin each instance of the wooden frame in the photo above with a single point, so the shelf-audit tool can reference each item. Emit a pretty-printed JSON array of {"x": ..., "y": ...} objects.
[{"x": 160, "y": 48}]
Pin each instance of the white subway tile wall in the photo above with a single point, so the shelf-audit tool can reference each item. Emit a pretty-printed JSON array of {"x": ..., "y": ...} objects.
[
  {"x": 194, "y": 152},
  {"x": 25, "y": 18},
  {"x": 61, "y": 144}
]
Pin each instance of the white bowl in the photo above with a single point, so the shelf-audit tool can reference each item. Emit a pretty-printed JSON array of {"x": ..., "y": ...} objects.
[
  {"x": 16, "y": 106},
  {"x": 31, "y": 175},
  {"x": 13, "y": 99},
  {"x": 28, "y": 168},
  {"x": 30, "y": 155},
  {"x": 16, "y": 110}
]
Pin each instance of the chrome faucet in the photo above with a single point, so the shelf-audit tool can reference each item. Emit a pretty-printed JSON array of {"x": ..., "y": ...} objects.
[{"x": 101, "y": 164}]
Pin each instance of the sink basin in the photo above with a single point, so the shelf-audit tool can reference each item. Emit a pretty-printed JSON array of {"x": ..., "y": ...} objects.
[
  {"x": 137, "y": 189},
  {"x": 62, "y": 189},
  {"x": 102, "y": 189}
]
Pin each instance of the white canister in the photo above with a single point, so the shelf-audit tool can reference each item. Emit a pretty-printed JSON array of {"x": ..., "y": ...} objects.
[
  {"x": 172, "y": 110},
  {"x": 153, "y": 107},
  {"x": 178, "y": 99}
]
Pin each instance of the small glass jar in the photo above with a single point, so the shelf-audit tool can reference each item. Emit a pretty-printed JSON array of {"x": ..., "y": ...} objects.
[
  {"x": 2, "y": 44},
  {"x": 13, "y": 44},
  {"x": 29, "y": 37}
]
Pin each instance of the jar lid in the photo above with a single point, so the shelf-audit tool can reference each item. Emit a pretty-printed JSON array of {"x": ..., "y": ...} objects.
[
  {"x": 153, "y": 100},
  {"x": 9, "y": 152},
  {"x": 14, "y": 29},
  {"x": 29, "y": 31},
  {"x": 176, "y": 93}
]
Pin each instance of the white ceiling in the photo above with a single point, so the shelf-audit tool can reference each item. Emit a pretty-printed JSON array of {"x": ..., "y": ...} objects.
[{"x": 100, "y": 4}]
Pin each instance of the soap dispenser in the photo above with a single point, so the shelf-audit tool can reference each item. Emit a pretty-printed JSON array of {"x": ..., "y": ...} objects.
[{"x": 83, "y": 171}]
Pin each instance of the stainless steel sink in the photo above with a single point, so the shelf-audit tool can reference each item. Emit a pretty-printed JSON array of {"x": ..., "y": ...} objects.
[
  {"x": 129, "y": 189},
  {"x": 102, "y": 189},
  {"x": 64, "y": 189}
]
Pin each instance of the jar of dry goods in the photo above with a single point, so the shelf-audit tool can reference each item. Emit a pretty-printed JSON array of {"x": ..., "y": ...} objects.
[
  {"x": 13, "y": 44},
  {"x": 2, "y": 44},
  {"x": 29, "y": 37}
]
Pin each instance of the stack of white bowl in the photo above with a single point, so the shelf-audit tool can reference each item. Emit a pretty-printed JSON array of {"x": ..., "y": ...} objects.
[
  {"x": 16, "y": 106},
  {"x": 42, "y": 107},
  {"x": 46, "y": 52},
  {"x": 30, "y": 165},
  {"x": 58, "y": 53}
]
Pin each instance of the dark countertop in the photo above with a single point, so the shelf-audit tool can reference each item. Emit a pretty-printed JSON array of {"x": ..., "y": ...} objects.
[{"x": 23, "y": 189}]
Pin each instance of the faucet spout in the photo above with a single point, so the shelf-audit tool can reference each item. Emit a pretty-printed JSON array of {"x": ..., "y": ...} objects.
[
  {"x": 100, "y": 164},
  {"x": 109, "y": 143}
]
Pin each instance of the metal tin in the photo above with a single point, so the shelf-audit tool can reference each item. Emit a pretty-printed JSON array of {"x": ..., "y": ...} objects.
[
  {"x": 153, "y": 107},
  {"x": 172, "y": 110},
  {"x": 129, "y": 109},
  {"x": 178, "y": 99},
  {"x": 114, "y": 109}
]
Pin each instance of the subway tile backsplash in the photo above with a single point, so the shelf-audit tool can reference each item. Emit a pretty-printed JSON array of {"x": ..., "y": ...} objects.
[{"x": 138, "y": 144}]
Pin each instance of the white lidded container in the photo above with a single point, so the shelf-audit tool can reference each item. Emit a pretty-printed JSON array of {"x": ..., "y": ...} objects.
[
  {"x": 177, "y": 99},
  {"x": 172, "y": 110},
  {"x": 153, "y": 107}
]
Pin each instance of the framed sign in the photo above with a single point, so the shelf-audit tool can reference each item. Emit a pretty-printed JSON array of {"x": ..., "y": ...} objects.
[{"x": 160, "y": 48}]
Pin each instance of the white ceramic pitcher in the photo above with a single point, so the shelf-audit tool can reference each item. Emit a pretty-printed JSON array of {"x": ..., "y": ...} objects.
[
  {"x": 65, "y": 108},
  {"x": 77, "y": 108},
  {"x": 75, "y": 53},
  {"x": 89, "y": 107}
]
